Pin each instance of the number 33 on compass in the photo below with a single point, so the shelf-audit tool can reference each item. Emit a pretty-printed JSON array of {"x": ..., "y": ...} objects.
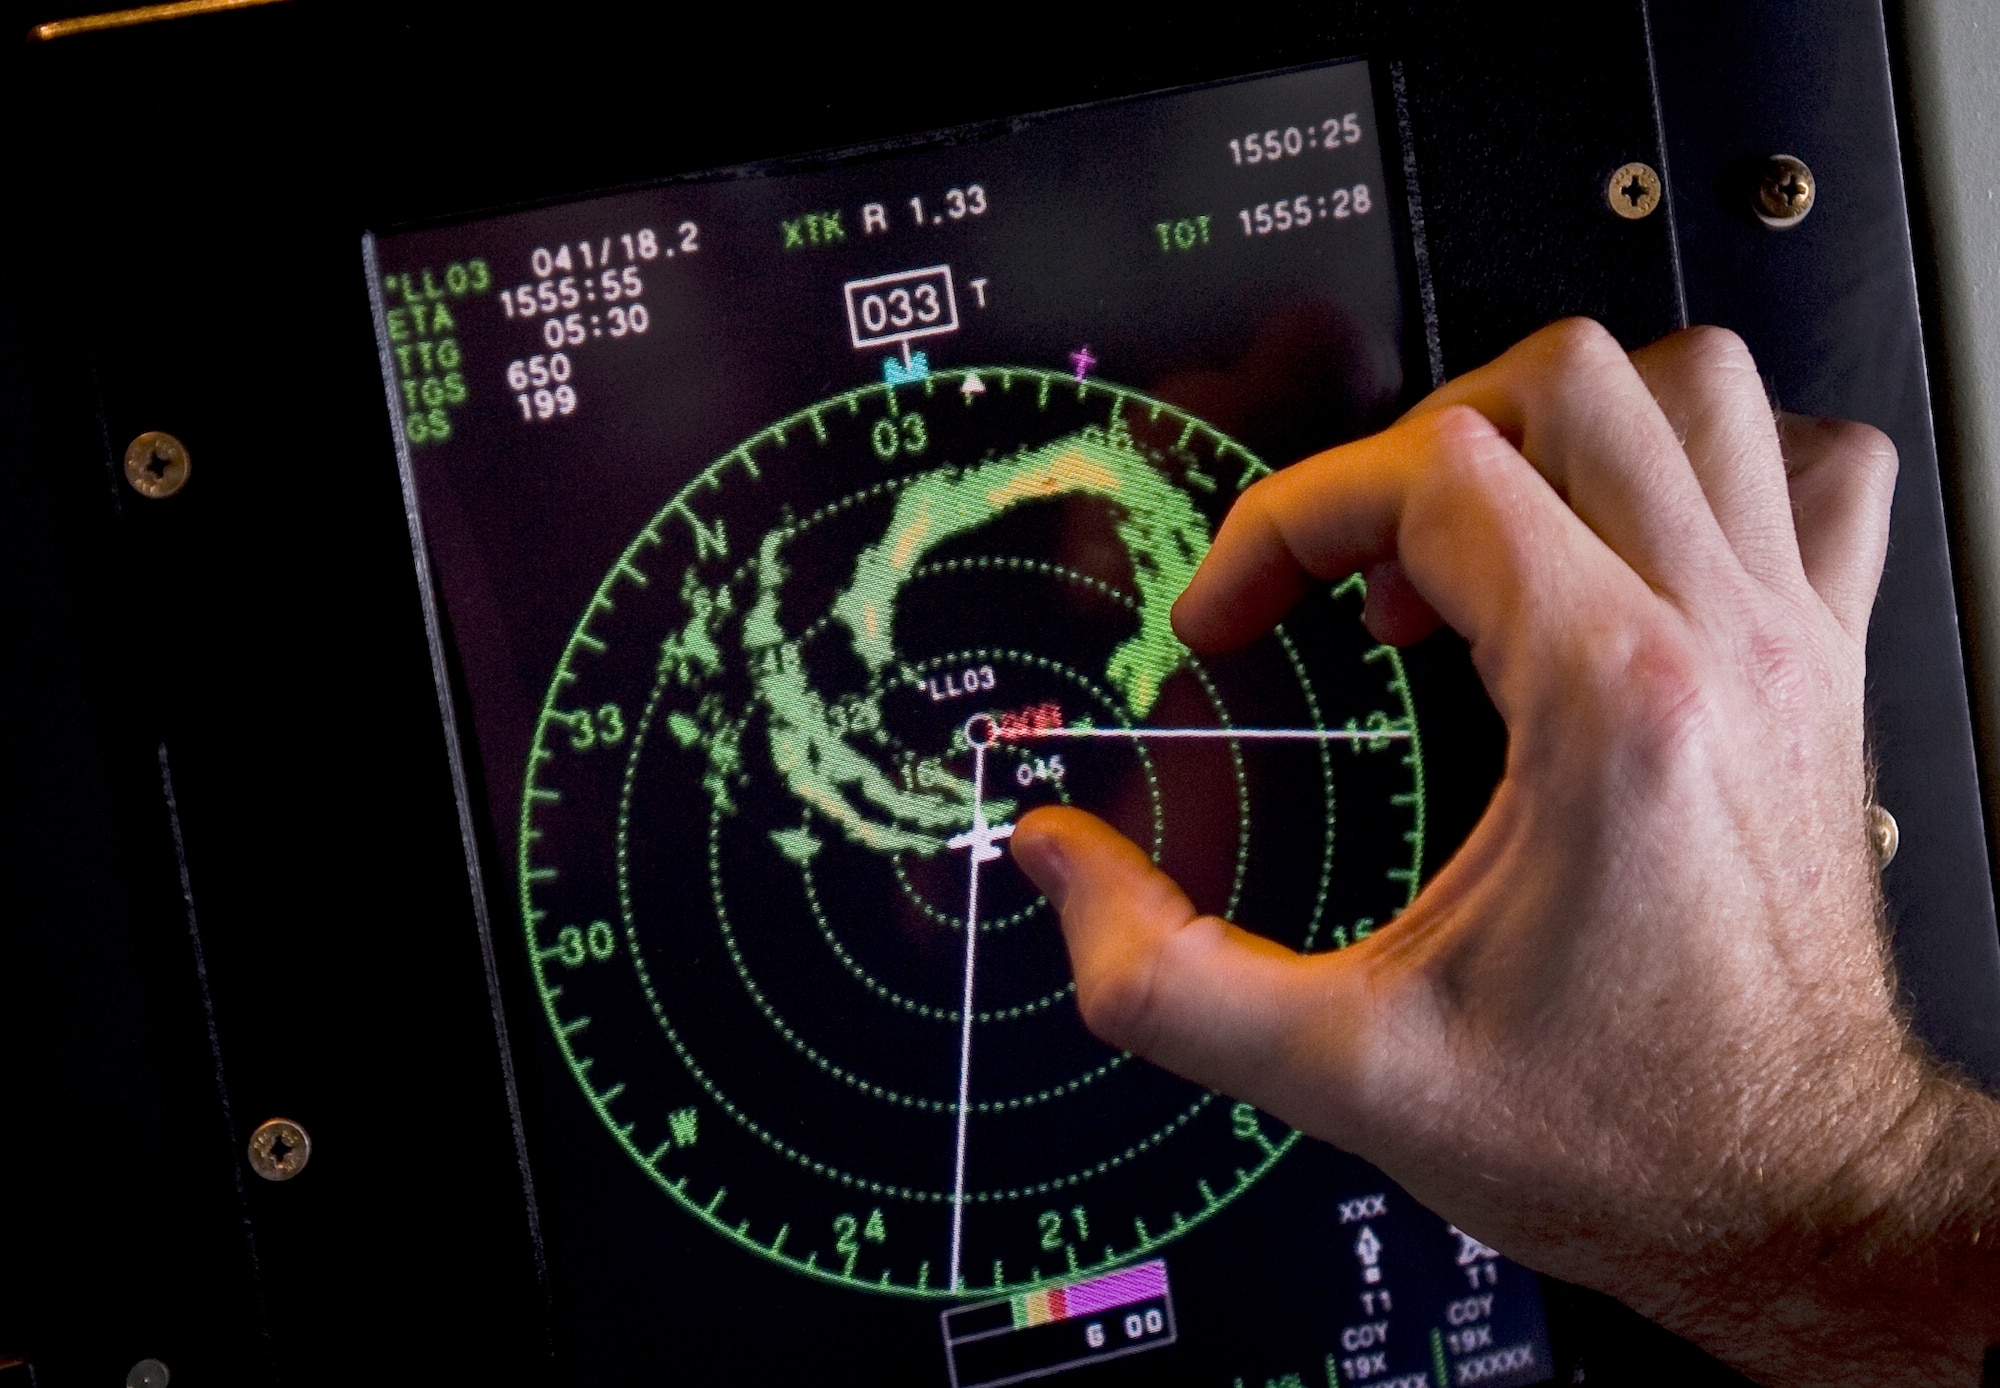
[{"x": 772, "y": 920}]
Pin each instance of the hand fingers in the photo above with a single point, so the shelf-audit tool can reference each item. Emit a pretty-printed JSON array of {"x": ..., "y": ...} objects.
[
  {"x": 1575, "y": 405},
  {"x": 1213, "y": 1003},
  {"x": 1395, "y": 611},
  {"x": 1708, "y": 389},
  {"x": 1481, "y": 541},
  {"x": 1842, "y": 478}
]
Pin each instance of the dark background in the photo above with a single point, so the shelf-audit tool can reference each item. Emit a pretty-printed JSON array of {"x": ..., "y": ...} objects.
[{"x": 285, "y": 934}]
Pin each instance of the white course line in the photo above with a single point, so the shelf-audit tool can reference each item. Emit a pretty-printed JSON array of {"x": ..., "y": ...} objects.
[
  {"x": 981, "y": 838},
  {"x": 1234, "y": 734}
]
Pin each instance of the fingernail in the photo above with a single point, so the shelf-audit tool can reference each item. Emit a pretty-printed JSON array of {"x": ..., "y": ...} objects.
[{"x": 1043, "y": 859}]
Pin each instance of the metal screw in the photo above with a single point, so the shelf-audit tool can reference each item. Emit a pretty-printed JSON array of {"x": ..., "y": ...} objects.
[
  {"x": 1785, "y": 192},
  {"x": 1883, "y": 835},
  {"x": 1634, "y": 191},
  {"x": 147, "y": 1373},
  {"x": 156, "y": 465},
  {"x": 279, "y": 1149}
]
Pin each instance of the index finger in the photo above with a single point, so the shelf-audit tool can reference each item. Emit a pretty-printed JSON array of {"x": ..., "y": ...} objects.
[
  {"x": 1479, "y": 533},
  {"x": 1577, "y": 407}
]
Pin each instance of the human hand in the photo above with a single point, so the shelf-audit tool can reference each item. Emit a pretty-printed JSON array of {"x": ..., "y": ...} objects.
[{"x": 1639, "y": 1032}]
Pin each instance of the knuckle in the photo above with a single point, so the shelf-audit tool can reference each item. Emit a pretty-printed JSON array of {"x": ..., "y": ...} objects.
[
  {"x": 1863, "y": 448},
  {"x": 1781, "y": 674},
  {"x": 1118, "y": 1004},
  {"x": 1662, "y": 694},
  {"x": 1580, "y": 344},
  {"x": 1454, "y": 429},
  {"x": 1706, "y": 349},
  {"x": 1262, "y": 499},
  {"x": 1464, "y": 449},
  {"x": 1123, "y": 994},
  {"x": 1471, "y": 457}
]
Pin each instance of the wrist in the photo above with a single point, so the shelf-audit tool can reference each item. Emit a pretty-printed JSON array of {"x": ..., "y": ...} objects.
[{"x": 1886, "y": 1270}]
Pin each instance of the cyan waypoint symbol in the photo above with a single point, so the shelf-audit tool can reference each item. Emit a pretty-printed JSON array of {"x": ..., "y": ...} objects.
[{"x": 895, "y": 373}]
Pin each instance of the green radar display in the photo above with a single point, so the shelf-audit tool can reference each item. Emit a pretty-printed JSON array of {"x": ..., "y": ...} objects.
[{"x": 763, "y": 862}]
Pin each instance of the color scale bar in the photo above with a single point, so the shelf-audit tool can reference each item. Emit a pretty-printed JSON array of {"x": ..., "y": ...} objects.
[
  {"x": 1098, "y": 1294},
  {"x": 1016, "y": 1338}
]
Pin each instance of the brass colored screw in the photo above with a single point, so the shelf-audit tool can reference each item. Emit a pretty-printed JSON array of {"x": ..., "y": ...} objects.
[
  {"x": 156, "y": 465},
  {"x": 1634, "y": 191},
  {"x": 1883, "y": 834},
  {"x": 1785, "y": 193},
  {"x": 279, "y": 1149}
]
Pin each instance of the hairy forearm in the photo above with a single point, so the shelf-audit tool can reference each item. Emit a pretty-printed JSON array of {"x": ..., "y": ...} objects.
[{"x": 1892, "y": 1276}]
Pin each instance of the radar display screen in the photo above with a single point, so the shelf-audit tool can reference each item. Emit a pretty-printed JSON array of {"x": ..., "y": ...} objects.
[{"x": 788, "y": 532}]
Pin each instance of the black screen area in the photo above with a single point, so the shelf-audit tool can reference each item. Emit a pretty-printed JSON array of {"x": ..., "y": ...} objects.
[{"x": 793, "y": 530}]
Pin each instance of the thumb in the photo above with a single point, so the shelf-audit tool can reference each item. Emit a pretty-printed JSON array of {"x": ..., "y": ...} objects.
[{"x": 1213, "y": 1003}]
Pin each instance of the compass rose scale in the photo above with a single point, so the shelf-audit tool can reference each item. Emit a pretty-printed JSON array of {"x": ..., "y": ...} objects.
[{"x": 778, "y": 727}]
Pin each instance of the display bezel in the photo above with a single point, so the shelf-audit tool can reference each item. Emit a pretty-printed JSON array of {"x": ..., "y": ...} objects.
[{"x": 541, "y": 1117}]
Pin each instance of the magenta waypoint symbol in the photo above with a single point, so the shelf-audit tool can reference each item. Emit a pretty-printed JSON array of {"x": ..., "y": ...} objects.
[{"x": 1082, "y": 361}]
